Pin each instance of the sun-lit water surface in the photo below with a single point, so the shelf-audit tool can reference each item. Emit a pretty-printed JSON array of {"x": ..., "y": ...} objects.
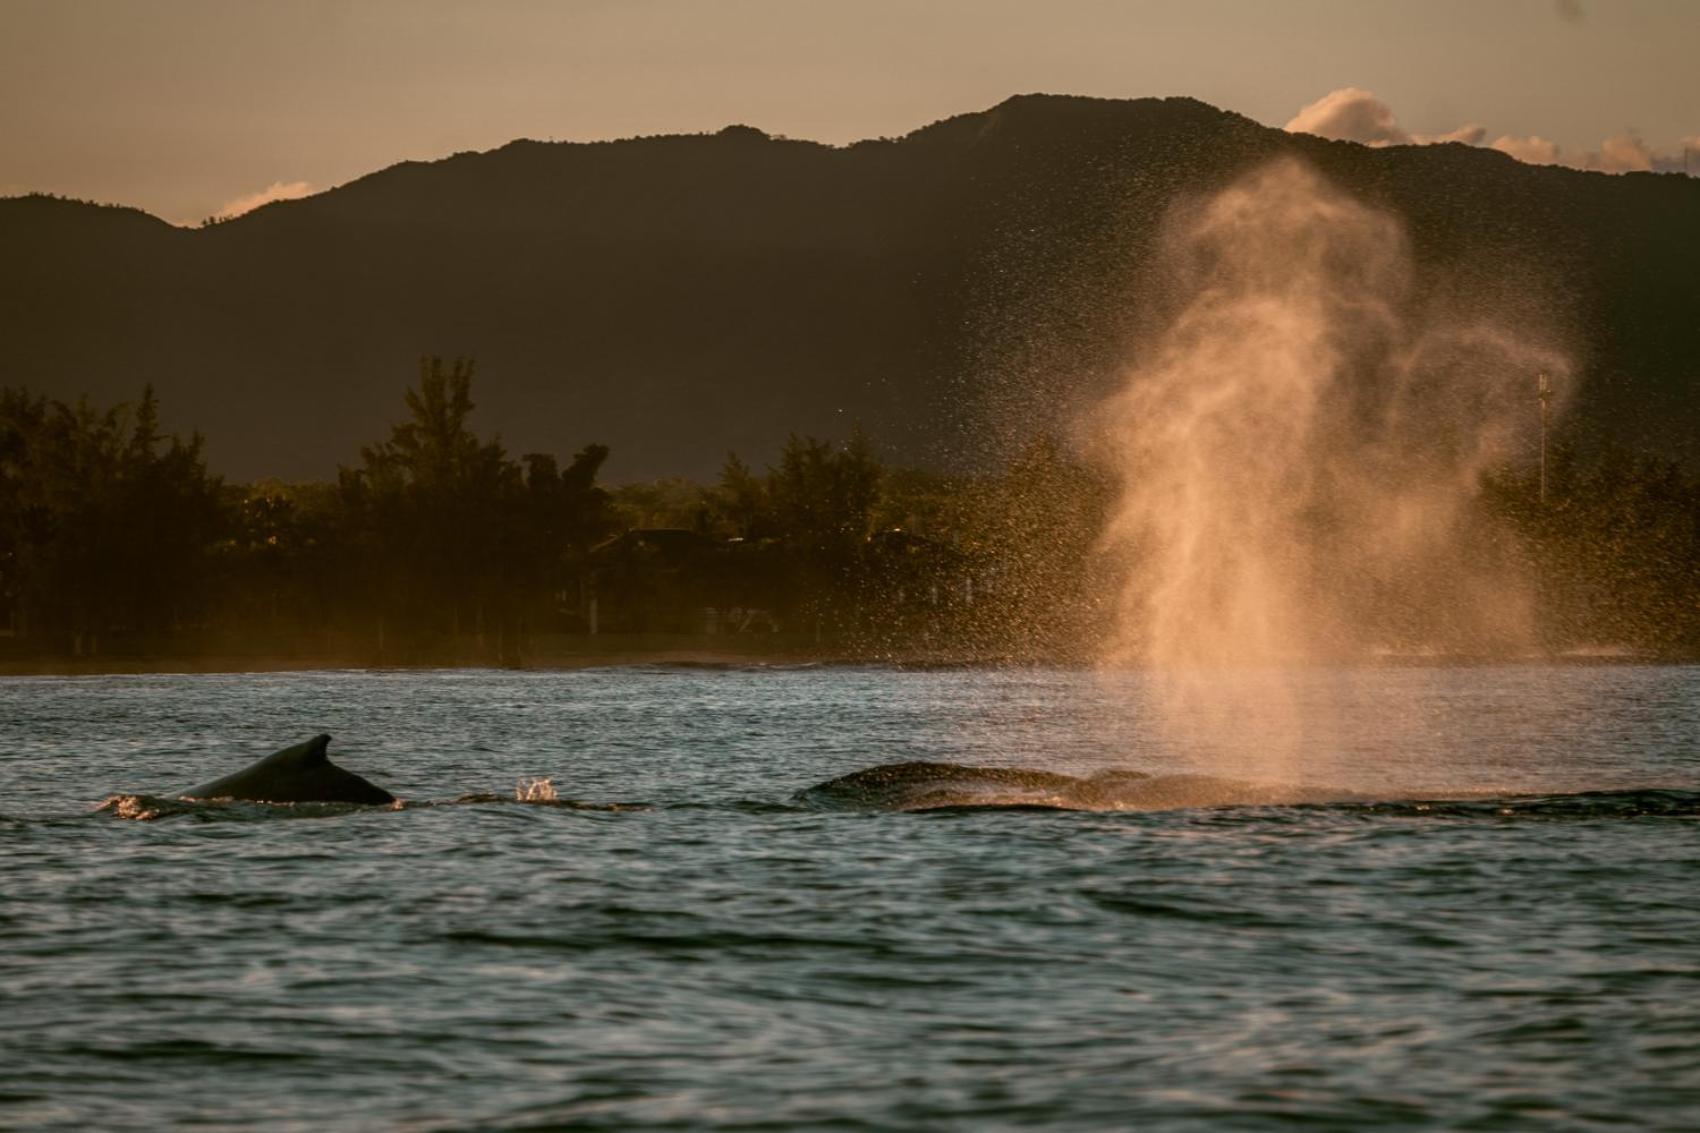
[{"x": 720, "y": 954}]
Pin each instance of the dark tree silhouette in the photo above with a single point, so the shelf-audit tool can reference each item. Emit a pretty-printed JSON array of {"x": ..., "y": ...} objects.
[
  {"x": 105, "y": 524},
  {"x": 454, "y": 536},
  {"x": 439, "y": 547}
]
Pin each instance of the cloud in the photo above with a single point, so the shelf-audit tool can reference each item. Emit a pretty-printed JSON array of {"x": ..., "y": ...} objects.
[
  {"x": 1570, "y": 11},
  {"x": 1534, "y": 150},
  {"x": 1623, "y": 153},
  {"x": 276, "y": 191},
  {"x": 1470, "y": 133},
  {"x": 1620, "y": 153},
  {"x": 1352, "y": 114}
]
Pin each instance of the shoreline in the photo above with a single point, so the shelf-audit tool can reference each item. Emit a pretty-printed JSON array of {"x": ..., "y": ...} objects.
[
  {"x": 555, "y": 652},
  {"x": 703, "y": 655}
]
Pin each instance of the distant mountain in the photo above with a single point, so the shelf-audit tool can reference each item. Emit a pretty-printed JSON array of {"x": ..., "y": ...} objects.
[{"x": 676, "y": 297}]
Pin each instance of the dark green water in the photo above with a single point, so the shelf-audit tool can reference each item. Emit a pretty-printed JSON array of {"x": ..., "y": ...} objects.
[{"x": 1473, "y": 902}]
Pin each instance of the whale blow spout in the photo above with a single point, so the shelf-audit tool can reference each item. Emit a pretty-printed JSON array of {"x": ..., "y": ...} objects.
[{"x": 300, "y": 774}]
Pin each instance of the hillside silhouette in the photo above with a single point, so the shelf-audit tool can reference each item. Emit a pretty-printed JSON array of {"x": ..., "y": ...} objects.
[{"x": 678, "y": 297}]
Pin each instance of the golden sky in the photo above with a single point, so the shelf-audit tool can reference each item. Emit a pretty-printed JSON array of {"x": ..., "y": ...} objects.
[{"x": 190, "y": 107}]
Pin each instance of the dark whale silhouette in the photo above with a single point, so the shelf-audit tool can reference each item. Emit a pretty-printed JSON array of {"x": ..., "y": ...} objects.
[
  {"x": 300, "y": 774},
  {"x": 922, "y": 785},
  {"x": 935, "y": 786}
]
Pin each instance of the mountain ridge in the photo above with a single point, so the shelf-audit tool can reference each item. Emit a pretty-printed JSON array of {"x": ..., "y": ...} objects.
[{"x": 681, "y": 295}]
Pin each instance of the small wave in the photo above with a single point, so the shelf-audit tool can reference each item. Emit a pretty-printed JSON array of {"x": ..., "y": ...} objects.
[
  {"x": 1648, "y": 802},
  {"x": 742, "y": 806},
  {"x": 923, "y": 786},
  {"x": 154, "y": 808},
  {"x": 724, "y": 665}
]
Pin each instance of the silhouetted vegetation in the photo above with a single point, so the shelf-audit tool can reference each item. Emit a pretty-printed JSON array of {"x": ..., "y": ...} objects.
[
  {"x": 436, "y": 546},
  {"x": 1615, "y": 551},
  {"x": 107, "y": 529}
]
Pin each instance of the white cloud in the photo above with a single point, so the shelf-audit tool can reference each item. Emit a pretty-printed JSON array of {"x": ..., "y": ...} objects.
[
  {"x": 1353, "y": 114},
  {"x": 1623, "y": 153},
  {"x": 1350, "y": 114},
  {"x": 1620, "y": 153},
  {"x": 1470, "y": 133},
  {"x": 276, "y": 191},
  {"x": 1534, "y": 150}
]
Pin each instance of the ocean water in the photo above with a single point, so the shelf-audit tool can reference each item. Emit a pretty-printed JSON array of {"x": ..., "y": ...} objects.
[{"x": 1469, "y": 900}]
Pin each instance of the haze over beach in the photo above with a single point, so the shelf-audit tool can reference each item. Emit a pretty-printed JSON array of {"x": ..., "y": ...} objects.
[{"x": 762, "y": 565}]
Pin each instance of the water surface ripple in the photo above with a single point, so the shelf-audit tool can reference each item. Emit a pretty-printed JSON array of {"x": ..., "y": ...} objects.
[{"x": 1481, "y": 915}]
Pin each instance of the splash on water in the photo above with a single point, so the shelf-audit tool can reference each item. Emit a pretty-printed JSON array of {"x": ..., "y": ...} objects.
[
  {"x": 137, "y": 808},
  {"x": 539, "y": 790},
  {"x": 1299, "y": 451}
]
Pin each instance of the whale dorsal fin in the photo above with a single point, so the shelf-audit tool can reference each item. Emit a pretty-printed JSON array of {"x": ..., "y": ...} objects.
[
  {"x": 313, "y": 751},
  {"x": 300, "y": 774}
]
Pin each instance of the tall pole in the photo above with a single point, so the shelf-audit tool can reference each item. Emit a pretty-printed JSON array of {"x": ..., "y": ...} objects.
[{"x": 1543, "y": 390}]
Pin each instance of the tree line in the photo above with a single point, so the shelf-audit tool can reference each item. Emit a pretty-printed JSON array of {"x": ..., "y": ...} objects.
[{"x": 438, "y": 545}]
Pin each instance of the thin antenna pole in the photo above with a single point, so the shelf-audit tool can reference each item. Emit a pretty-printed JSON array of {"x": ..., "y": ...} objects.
[{"x": 1543, "y": 390}]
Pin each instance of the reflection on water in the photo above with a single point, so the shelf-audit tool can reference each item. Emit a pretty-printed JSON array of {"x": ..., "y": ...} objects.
[{"x": 1485, "y": 919}]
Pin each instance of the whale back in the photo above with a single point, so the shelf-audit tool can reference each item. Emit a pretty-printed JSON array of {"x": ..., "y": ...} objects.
[
  {"x": 922, "y": 785},
  {"x": 934, "y": 786},
  {"x": 300, "y": 774}
]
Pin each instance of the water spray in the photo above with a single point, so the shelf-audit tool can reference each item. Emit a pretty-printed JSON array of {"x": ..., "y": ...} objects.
[{"x": 1300, "y": 446}]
